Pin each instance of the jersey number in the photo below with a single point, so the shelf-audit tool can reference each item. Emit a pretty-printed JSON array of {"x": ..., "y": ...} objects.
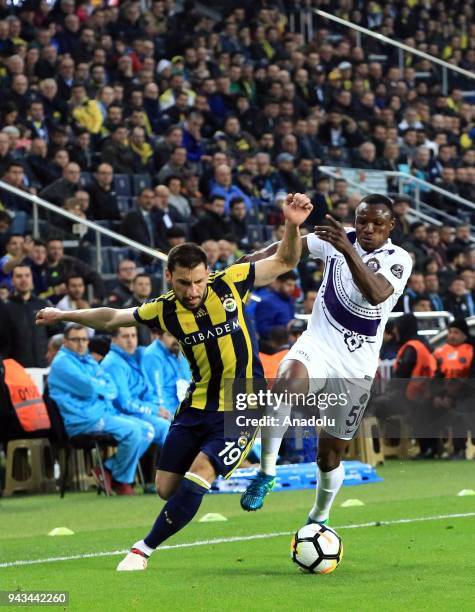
[
  {"x": 355, "y": 415},
  {"x": 231, "y": 455}
]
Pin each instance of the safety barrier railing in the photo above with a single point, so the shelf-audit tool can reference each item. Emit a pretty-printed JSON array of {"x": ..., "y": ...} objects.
[
  {"x": 301, "y": 18},
  {"x": 404, "y": 179},
  {"x": 100, "y": 231}
]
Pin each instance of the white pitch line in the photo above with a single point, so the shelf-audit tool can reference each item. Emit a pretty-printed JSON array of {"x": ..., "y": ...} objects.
[{"x": 256, "y": 536}]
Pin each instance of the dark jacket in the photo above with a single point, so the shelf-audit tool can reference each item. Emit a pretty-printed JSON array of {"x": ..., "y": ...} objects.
[
  {"x": 210, "y": 227},
  {"x": 29, "y": 342},
  {"x": 70, "y": 266},
  {"x": 59, "y": 191},
  {"x": 103, "y": 203},
  {"x": 120, "y": 157},
  {"x": 135, "y": 227}
]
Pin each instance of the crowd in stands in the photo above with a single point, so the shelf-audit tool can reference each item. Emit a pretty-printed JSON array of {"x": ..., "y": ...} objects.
[{"x": 166, "y": 124}]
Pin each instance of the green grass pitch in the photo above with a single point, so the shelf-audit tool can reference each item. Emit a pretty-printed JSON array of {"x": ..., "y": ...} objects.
[{"x": 416, "y": 565}]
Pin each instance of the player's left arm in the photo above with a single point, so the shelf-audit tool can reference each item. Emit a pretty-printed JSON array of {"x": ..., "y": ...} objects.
[
  {"x": 296, "y": 209},
  {"x": 376, "y": 287}
]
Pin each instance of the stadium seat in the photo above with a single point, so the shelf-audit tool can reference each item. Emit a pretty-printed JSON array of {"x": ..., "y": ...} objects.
[
  {"x": 139, "y": 182},
  {"x": 124, "y": 203},
  {"x": 255, "y": 233},
  {"x": 122, "y": 185},
  {"x": 30, "y": 467},
  {"x": 85, "y": 179}
]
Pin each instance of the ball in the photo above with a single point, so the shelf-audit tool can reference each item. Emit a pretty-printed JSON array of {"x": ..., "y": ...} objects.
[{"x": 316, "y": 549}]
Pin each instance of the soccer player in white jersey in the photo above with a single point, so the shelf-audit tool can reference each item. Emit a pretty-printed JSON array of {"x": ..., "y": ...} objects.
[{"x": 365, "y": 273}]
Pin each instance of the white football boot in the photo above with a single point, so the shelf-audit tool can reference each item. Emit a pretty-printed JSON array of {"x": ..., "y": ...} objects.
[{"x": 132, "y": 562}]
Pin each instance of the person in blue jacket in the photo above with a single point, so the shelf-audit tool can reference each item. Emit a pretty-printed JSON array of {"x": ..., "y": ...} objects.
[
  {"x": 166, "y": 369},
  {"x": 123, "y": 363},
  {"x": 84, "y": 394},
  {"x": 277, "y": 307}
]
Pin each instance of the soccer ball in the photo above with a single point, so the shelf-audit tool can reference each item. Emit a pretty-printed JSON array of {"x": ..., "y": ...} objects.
[{"x": 316, "y": 549}]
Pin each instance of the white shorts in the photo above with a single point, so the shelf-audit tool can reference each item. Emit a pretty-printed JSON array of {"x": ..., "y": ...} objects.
[{"x": 340, "y": 399}]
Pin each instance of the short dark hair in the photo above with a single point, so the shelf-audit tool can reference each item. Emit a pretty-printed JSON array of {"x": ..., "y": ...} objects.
[
  {"x": 142, "y": 275},
  {"x": 234, "y": 201},
  {"x": 5, "y": 217},
  {"x": 71, "y": 276},
  {"x": 290, "y": 275},
  {"x": 378, "y": 199},
  {"x": 186, "y": 255}
]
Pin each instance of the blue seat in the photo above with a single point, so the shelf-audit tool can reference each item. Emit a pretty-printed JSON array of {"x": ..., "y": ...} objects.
[
  {"x": 124, "y": 203},
  {"x": 139, "y": 182},
  {"x": 85, "y": 180},
  {"x": 255, "y": 233},
  {"x": 122, "y": 185}
]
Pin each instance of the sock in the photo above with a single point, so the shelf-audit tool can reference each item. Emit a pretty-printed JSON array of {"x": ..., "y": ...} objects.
[
  {"x": 328, "y": 485},
  {"x": 272, "y": 439},
  {"x": 177, "y": 512}
]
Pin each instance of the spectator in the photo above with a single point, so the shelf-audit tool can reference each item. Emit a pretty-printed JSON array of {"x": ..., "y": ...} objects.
[
  {"x": 222, "y": 185},
  {"x": 42, "y": 170},
  {"x": 416, "y": 244},
  {"x": 29, "y": 343},
  {"x": 213, "y": 224},
  {"x": 135, "y": 397},
  {"x": 141, "y": 291},
  {"x": 176, "y": 199},
  {"x": 103, "y": 196},
  {"x": 459, "y": 301},
  {"x": 164, "y": 149},
  {"x": 126, "y": 272},
  {"x": 277, "y": 308},
  {"x": 211, "y": 248},
  {"x": 455, "y": 264},
  {"x": 309, "y": 301},
  {"x": 75, "y": 297},
  {"x": 84, "y": 396},
  {"x": 116, "y": 150},
  {"x": 5, "y": 226},
  {"x": 54, "y": 344},
  {"x": 142, "y": 150},
  {"x": 63, "y": 188},
  {"x": 18, "y": 250},
  {"x": 60, "y": 267},
  {"x": 141, "y": 224},
  {"x": 286, "y": 175},
  {"x": 366, "y": 158},
  {"x": 401, "y": 207},
  {"x": 462, "y": 236},
  {"x": 414, "y": 288},
  {"x": 432, "y": 287},
  {"x": 239, "y": 222},
  {"x": 175, "y": 166}
]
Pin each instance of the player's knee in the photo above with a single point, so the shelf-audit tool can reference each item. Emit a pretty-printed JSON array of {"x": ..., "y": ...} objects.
[
  {"x": 328, "y": 460},
  {"x": 163, "y": 491}
]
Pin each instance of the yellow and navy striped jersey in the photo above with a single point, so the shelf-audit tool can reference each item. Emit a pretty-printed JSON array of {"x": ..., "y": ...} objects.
[{"x": 215, "y": 338}]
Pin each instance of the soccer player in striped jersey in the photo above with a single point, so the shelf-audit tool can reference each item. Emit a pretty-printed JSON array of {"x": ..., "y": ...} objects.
[{"x": 205, "y": 312}]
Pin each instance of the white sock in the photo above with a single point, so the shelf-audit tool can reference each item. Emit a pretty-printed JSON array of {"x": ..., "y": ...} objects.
[
  {"x": 272, "y": 438},
  {"x": 328, "y": 485},
  {"x": 143, "y": 548}
]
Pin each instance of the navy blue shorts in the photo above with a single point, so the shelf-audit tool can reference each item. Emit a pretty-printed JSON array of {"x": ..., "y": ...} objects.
[{"x": 195, "y": 430}]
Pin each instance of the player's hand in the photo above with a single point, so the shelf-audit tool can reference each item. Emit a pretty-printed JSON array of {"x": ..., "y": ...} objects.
[
  {"x": 334, "y": 234},
  {"x": 165, "y": 414},
  {"x": 49, "y": 316},
  {"x": 297, "y": 208}
]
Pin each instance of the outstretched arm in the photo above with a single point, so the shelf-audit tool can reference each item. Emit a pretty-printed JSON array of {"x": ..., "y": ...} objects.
[
  {"x": 98, "y": 318},
  {"x": 296, "y": 209}
]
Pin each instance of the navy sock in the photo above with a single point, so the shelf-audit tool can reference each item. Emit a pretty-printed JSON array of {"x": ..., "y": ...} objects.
[{"x": 178, "y": 511}]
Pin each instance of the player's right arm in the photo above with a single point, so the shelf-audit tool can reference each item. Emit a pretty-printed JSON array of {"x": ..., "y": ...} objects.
[
  {"x": 104, "y": 319},
  {"x": 271, "y": 250}
]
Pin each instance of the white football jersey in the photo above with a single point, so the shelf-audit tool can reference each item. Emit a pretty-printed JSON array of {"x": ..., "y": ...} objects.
[{"x": 345, "y": 326}]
